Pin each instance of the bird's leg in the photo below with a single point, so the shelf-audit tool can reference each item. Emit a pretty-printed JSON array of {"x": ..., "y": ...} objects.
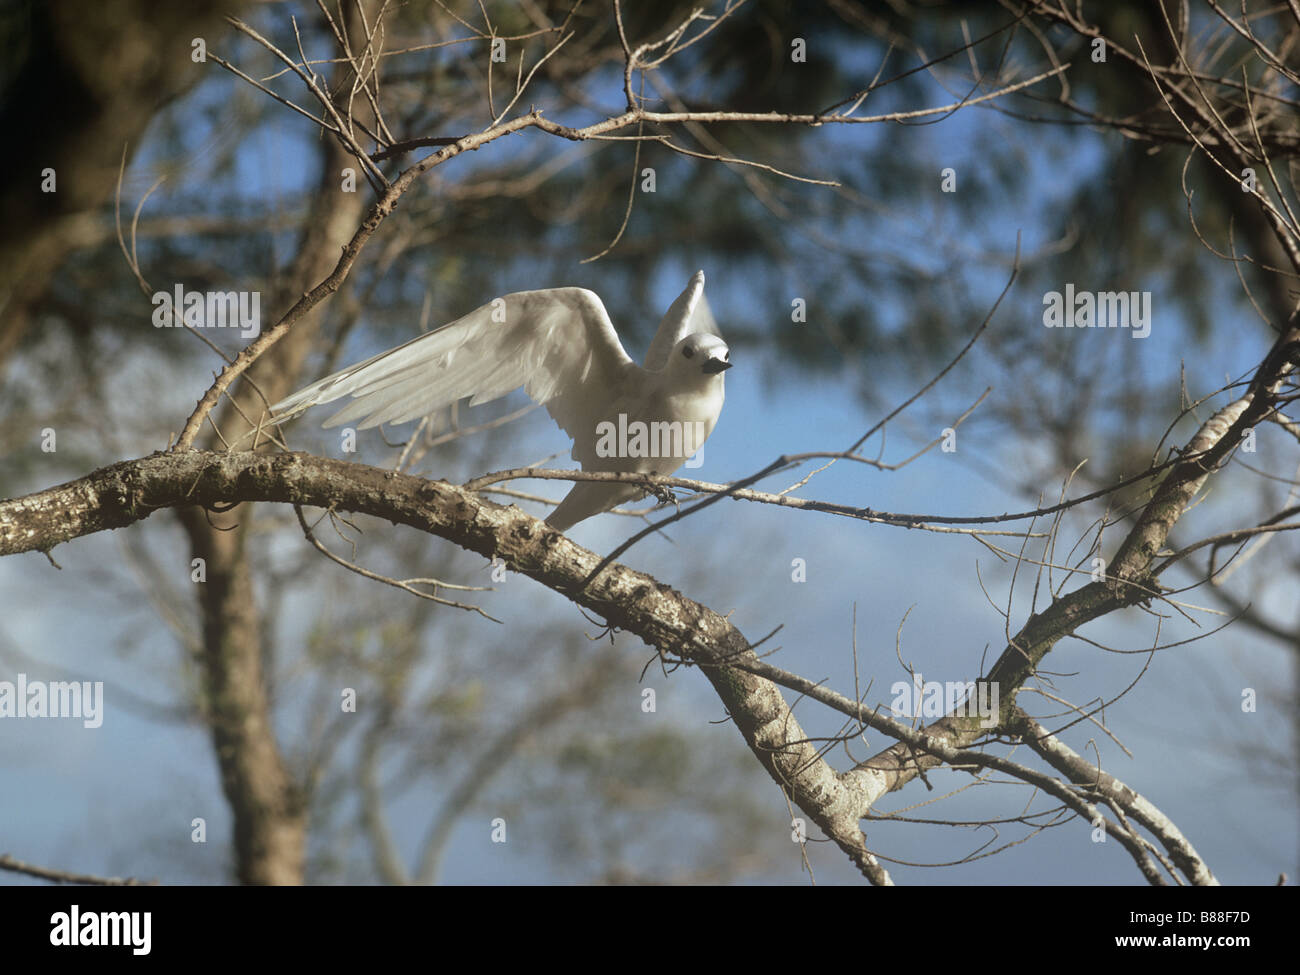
[{"x": 662, "y": 493}]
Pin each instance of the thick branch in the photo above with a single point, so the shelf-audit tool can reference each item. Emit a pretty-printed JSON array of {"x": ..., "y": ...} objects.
[{"x": 117, "y": 496}]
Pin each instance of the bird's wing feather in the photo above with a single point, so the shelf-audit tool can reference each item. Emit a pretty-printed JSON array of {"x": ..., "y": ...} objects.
[
  {"x": 558, "y": 344},
  {"x": 687, "y": 315}
]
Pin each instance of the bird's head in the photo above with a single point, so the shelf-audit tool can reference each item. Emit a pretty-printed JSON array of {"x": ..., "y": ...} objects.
[{"x": 700, "y": 355}]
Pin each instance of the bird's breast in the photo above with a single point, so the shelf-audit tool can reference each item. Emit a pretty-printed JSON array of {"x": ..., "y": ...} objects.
[{"x": 653, "y": 434}]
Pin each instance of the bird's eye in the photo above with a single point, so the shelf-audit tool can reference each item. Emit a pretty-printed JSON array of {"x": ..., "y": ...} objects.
[{"x": 688, "y": 352}]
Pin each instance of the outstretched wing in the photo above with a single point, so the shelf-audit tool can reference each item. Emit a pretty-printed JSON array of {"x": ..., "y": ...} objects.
[
  {"x": 687, "y": 315},
  {"x": 558, "y": 344}
]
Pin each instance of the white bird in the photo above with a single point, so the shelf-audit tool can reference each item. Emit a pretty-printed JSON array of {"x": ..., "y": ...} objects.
[{"x": 560, "y": 346}]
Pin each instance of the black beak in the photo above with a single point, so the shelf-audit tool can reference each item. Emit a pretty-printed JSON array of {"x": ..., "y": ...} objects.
[{"x": 715, "y": 366}]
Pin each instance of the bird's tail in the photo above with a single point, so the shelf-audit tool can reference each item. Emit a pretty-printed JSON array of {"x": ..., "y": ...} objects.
[
  {"x": 568, "y": 512},
  {"x": 589, "y": 498}
]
